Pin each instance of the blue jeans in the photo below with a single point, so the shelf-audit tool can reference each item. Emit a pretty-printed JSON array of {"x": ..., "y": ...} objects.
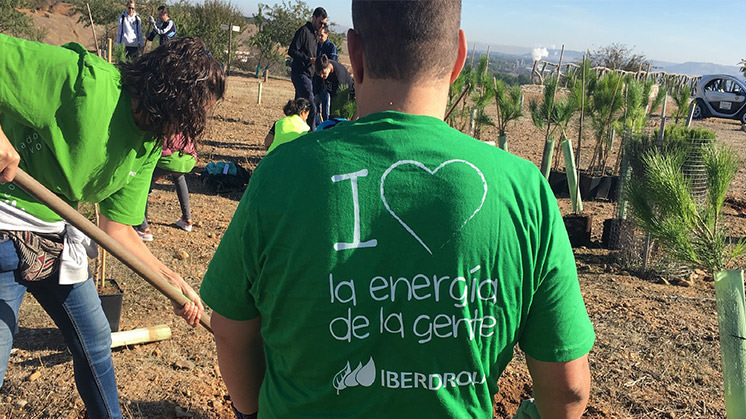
[
  {"x": 76, "y": 310},
  {"x": 304, "y": 88}
]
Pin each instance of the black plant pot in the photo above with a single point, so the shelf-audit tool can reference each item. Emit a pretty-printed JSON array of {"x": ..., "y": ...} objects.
[
  {"x": 578, "y": 229},
  {"x": 610, "y": 235},
  {"x": 598, "y": 187},
  {"x": 111, "y": 302},
  {"x": 558, "y": 183}
]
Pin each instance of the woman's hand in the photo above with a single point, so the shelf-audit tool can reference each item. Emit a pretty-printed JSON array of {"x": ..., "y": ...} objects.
[
  {"x": 126, "y": 235},
  {"x": 9, "y": 159},
  {"x": 191, "y": 311}
]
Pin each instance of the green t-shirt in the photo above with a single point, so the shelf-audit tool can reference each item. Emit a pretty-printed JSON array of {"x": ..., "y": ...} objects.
[
  {"x": 395, "y": 262},
  {"x": 65, "y": 112}
]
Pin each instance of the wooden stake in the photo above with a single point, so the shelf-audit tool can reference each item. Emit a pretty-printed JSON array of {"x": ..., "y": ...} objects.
[
  {"x": 266, "y": 74},
  {"x": 690, "y": 115},
  {"x": 142, "y": 335},
  {"x": 582, "y": 114},
  {"x": 461, "y": 96},
  {"x": 230, "y": 38},
  {"x": 109, "y": 50},
  {"x": 488, "y": 60},
  {"x": 259, "y": 94},
  {"x": 93, "y": 28},
  {"x": 551, "y": 105}
]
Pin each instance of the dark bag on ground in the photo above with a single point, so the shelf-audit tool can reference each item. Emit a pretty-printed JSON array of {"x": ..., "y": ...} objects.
[{"x": 225, "y": 176}]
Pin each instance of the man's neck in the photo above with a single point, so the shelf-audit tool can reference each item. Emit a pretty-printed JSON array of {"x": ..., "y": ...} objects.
[{"x": 374, "y": 95}]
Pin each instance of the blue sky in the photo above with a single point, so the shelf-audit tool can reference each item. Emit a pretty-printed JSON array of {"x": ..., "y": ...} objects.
[{"x": 666, "y": 30}]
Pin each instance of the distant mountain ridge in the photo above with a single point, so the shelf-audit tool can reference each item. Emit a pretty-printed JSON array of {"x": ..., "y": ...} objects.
[{"x": 688, "y": 68}]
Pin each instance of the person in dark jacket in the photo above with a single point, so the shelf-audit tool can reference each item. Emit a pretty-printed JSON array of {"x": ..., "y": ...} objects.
[
  {"x": 303, "y": 52},
  {"x": 325, "y": 45},
  {"x": 333, "y": 76},
  {"x": 165, "y": 28}
]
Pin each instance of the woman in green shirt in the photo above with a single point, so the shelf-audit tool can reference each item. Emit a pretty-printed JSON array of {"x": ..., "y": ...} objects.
[{"x": 92, "y": 132}]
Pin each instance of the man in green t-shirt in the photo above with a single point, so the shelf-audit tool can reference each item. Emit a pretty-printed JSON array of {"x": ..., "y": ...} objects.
[
  {"x": 388, "y": 266},
  {"x": 88, "y": 131}
]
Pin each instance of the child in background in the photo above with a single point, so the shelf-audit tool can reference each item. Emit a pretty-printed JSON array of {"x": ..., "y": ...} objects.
[
  {"x": 291, "y": 127},
  {"x": 178, "y": 157}
]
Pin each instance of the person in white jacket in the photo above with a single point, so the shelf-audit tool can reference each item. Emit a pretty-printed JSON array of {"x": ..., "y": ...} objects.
[{"x": 129, "y": 31}]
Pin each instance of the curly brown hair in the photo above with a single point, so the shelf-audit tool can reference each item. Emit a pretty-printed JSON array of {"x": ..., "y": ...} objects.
[{"x": 172, "y": 86}]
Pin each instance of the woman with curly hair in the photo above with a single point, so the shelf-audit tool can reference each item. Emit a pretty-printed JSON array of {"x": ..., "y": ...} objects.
[{"x": 92, "y": 132}]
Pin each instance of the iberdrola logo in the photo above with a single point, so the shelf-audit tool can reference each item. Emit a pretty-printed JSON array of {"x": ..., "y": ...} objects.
[{"x": 363, "y": 375}]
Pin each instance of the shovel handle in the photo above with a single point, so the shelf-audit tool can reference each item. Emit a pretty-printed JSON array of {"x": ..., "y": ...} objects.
[{"x": 55, "y": 203}]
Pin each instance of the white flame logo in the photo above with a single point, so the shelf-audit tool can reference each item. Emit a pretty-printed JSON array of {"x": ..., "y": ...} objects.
[{"x": 363, "y": 375}]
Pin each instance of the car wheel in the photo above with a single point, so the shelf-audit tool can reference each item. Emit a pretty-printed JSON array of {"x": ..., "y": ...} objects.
[
  {"x": 699, "y": 110},
  {"x": 743, "y": 117}
]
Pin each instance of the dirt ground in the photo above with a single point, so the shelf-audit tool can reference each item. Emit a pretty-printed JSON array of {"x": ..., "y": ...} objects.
[{"x": 656, "y": 353}]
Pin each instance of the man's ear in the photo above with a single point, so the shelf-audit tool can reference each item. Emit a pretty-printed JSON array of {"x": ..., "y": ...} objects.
[
  {"x": 355, "y": 49},
  {"x": 460, "y": 57}
]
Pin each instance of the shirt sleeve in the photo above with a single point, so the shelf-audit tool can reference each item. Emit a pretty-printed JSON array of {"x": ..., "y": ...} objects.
[
  {"x": 166, "y": 28},
  {"x": 227, "y": 282},
  {"x": 557, "y": 328},
  {"x": 119, "y": 29},
  {"x": 333, "y": 53},
  {"x": 138, "y": 29},
  {"x": 296, "y": 50},
  {"x": 127, "y": 205}
]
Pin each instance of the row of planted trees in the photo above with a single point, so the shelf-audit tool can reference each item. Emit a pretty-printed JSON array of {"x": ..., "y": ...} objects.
[
  {"x": 609, "y": 107},
  {"x": 679, "y": 210}
]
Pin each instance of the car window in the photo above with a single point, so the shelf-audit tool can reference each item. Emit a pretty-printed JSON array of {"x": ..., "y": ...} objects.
[{"x": 713, "y": 85}]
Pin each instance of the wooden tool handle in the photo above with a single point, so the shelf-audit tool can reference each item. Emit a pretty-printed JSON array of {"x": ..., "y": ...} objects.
[{"x": 56, "y": 204}]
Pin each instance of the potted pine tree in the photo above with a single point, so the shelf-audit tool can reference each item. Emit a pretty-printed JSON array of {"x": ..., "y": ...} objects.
[
  {"x": 605, "y": 110},
  {"x": 508, "y": 100},
  {"x": 556, "y": 112},
  {"x": 692, "y": 231}
]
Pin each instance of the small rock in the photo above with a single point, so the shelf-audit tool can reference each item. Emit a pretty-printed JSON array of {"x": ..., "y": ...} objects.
[
  {"x": 156, "y": 352},
  {"x": 209, "y": 235},
  {"x": 181, "y": 412},
  {"x": 182, "y": 255},
  {"x": 34, "y": 375},
  {"x": 198, "y": 224},
  {"x": 184, "y": 365}
]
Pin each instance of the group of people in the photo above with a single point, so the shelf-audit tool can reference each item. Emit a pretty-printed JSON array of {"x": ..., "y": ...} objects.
[
  {"x": 130, "y": 31},
  {"x": 385, "y": 267},
  {"x": 315, "y": 72}
]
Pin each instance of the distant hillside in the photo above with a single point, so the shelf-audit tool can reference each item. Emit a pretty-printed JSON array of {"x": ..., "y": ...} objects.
[
  {"x": 697, "y": 69},
  {"x": 61, "y": 25},
  {"x": 525, "y": 54}
]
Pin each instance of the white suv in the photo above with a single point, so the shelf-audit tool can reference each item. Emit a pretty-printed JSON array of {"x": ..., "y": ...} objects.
[{"x": 721, "y": 96}]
